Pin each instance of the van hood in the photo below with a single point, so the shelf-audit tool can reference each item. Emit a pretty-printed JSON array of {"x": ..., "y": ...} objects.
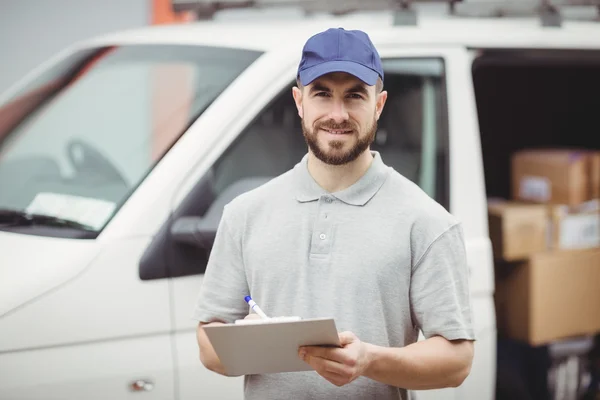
[{"x": 32, "y": 265}]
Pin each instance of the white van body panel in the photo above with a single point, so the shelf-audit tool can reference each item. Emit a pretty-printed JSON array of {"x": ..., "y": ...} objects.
[
  {"x": 67, "y": 342},
  {"x": 89, "y": 371},
  {"x": 469, "y": 203},
  {"x": 431, "y": 30},
  {"x": 107, "y": 300},
  {"x": 51, "y": 261}
]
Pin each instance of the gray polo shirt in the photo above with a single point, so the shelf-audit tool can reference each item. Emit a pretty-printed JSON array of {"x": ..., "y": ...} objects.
[{"x": 381, "y": 257}]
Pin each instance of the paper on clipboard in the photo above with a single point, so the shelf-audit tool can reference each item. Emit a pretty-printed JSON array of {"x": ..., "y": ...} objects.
[{"x": 247, "y": 349}]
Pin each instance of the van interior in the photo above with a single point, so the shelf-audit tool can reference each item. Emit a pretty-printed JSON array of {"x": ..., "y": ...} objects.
[{"x": 533, "y": 99}]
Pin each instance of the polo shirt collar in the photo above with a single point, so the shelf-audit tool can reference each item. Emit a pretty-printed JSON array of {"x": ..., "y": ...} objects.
[{"x": 358, "y": 194}]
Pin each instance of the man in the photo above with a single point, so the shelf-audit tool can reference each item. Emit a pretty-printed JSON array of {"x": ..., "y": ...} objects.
[{"x": 345, "y": 236}]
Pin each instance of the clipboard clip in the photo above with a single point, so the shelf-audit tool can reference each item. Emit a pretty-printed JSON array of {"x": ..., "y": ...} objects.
[{"x": 271, "y": 320}]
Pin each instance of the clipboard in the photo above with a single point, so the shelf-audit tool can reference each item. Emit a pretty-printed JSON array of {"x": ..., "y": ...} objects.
[{"x": 270, "y": 346}]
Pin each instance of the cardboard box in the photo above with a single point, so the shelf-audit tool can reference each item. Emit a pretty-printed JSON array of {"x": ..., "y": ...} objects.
[
  {"x": 517, "y": 230},
  {"x": 595, "y": 175},
  {"x": 553, "y": 176},
  {"x": 552, "y": 296},
  {"x": 575, "y": 227}
]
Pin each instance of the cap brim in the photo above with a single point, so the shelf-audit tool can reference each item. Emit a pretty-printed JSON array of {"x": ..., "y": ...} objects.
[{"x": 365, "y": 74}]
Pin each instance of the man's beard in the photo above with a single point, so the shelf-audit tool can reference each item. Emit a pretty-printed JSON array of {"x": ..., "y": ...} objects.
[{"x": 333, "y": 155}]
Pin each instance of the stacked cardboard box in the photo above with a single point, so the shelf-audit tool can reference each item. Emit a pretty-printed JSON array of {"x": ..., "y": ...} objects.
[
  {"x": 546, "y": 243},
  {"x": 551, "y": 296},
  {"x": 563, "y": 177}
]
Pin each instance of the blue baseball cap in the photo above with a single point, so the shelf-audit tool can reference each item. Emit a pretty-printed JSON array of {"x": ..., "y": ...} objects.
[{"x": 340, "y": 50}]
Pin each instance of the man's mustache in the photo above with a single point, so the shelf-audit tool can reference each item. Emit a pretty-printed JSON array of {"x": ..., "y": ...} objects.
[{"x": 332, "y": 125}]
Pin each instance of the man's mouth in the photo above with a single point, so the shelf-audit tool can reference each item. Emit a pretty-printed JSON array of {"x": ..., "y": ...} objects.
[{"x": 337, "y": 131}]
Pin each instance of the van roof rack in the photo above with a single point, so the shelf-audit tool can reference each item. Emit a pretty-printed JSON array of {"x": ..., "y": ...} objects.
[
  {"x": 404, "y": 10},
  {"x": 206, "y": 9}
]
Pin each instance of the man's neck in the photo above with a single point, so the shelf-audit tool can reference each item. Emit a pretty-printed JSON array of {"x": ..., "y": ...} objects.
[{"x": 335, "y": 178}]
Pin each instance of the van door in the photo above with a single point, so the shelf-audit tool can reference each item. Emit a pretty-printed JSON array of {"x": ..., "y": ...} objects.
[
  {"x": 76, "y": 321},
  {"x": 103, "y": 334},
  {"x": 428, "y": 125}
]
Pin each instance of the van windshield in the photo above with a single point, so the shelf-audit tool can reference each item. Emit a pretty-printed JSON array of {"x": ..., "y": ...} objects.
[{"x": 76, "y": 141}]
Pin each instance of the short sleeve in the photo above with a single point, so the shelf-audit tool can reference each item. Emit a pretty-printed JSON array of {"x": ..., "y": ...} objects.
[
  {"x": 224, "y": 286},
  {"x": 439, "y": 289}
]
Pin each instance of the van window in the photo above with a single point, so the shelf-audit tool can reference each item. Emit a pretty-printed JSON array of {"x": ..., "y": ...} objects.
[
  {"x": 412, "y": 137},
  {"x": 78, "y": 140},
  {"x": 412, "y": 134}
]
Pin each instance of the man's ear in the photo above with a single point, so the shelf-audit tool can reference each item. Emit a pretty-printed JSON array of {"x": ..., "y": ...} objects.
[
  {"x": 297, "y": 94},
  {"x": 381, "y": 99}
]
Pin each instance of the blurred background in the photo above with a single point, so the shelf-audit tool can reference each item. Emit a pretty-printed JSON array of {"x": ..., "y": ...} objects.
[{"x": 31, "y": 31}]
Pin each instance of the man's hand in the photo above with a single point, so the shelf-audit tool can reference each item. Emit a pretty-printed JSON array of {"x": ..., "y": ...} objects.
[
  {"x": 252, "y": 316},
  {"x": 339, "y": 366}
]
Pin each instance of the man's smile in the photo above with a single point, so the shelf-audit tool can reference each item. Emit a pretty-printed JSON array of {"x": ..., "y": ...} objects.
[{"x": 337, "y": 131}]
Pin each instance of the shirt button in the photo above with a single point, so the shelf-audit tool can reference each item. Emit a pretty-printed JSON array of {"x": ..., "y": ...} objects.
[{"x": 322, "y": 236}]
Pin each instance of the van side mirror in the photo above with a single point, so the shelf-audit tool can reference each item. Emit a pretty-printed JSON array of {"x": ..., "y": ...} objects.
[
  {"x": 201, "y": 231},
  {"x": 184, "y": 242},
  {"x": 195, "y": 231}
]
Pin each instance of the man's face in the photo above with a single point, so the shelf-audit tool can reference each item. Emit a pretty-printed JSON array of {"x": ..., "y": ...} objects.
[{"x": 339, "y": 116}]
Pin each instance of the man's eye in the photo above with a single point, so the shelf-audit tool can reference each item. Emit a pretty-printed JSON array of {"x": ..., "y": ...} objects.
[
  {"x": 322, "y": 94},
  {"x": 356, "y": 96}
]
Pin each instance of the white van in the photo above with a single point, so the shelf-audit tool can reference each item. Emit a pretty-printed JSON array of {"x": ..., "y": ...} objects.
[{"x": 117, "y": 156}]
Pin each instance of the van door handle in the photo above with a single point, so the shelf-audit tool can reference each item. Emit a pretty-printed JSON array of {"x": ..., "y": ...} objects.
[{"x": 141, "y": 385}]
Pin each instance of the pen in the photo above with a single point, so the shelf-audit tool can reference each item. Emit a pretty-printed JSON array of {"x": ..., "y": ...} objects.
[{"x": 255, "y": 307}]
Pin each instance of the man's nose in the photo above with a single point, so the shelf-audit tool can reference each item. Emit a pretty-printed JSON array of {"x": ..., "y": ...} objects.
[{"x": 339, "y": 114}]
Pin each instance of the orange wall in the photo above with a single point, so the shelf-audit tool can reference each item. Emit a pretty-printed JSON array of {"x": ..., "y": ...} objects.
[
  {"x": 162, "y": 13},
  {"x": 169, "y": 82}
]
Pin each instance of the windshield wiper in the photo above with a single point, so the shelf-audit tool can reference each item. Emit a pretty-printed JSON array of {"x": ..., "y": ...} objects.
[{"x": 21, "y": 218}]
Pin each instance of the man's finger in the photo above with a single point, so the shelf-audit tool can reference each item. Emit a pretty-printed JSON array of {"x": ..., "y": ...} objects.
[
  {"x": 333, "y": 371},
  {"x": 329, "y": 353},
  {"x": 325, "y": 365},
  {"x": 347, "y": 338},
  {"x": 336, "y": 379}
]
